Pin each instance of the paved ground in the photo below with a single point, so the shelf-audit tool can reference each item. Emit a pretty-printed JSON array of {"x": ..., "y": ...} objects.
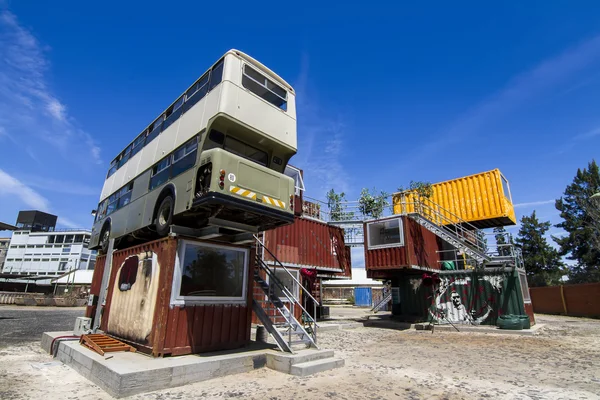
[
  {"x": 562, "y": 361},
  {"x": 19, "y": 324}
]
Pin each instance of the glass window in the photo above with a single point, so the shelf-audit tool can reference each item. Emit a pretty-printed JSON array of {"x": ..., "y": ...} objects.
[
  {"x": 196, "y": 92},
  {"x": 216, "y": 75},
  {"x": 160, "y": 173},
  {"x": 217, "y": 137},
  {"x": 113, "y": 167},
  {"x": 263, "y": 87},
  {"x": 173, "y": 113},
  {"x": 51, "y": 239},
  {"x": 246, "y": 151},
  {"x": 125, "y": 195},
  {"x": 124, "y": 157},
  {"x": 69, "y": 238},
  {"x": 386, "y": 233},
  {"x": 128, "y": 274},
  {"x": 212, "y": 272},
  {"x": 78, "y": 239},
  {"x": 138, "y": 144},
  {"x": 62, "y": 266},
  {"x": 524, "y": 287},
  {"x": 45, "y": 259},
  {"x": 155, "y": 130},
  {"x": 59, "y": 239}
]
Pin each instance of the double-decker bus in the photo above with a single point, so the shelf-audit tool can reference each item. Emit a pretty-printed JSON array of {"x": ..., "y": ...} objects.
[{"x": 219, "y": 151}]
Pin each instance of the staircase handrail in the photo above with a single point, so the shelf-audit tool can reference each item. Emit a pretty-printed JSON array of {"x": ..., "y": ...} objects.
[{"x": 458, "y": 224}]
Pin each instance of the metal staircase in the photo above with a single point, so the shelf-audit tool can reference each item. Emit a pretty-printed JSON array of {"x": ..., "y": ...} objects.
[
  {"x": 386, "y": 298},
  {"x": 290, "y": 331},
  {"x": 451, "y": 228}
]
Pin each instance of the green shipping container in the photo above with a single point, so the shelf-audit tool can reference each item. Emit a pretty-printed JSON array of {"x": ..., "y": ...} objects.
[{"x": 461, "y": 297}]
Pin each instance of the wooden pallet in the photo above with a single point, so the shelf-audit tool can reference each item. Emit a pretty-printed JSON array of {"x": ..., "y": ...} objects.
[{"x": 104, "y": 344}]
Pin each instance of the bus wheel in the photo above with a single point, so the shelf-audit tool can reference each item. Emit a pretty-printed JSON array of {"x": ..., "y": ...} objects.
[
  {"x": 164, "y": 216},
  {"x": 105, "y": 240}
]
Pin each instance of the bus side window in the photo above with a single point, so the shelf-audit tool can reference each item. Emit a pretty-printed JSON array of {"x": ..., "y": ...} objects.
[
  {"x": 216, "y": 75},
  {"x": 156, "y": 129},
  {"x": 160, "y": 173},
  {"x": 196, "y": 92},
  {"x": 184, "y": 157},
  {"x": 173, "y": 113}
]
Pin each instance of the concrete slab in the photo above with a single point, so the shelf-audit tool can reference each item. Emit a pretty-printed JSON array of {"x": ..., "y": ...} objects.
[
  {"x": 124, "y": 374},
  {"x": 481, "y": 329}
]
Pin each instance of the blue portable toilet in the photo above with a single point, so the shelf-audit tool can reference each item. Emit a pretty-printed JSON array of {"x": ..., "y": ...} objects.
[{"x": 362, "y": 296}]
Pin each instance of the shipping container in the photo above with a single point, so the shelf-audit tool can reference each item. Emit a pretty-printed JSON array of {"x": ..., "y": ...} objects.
[
  {"x": 362, "y": 297},
  {"x": 399, "y": 242},
  {"x": 179, "y": 296},
  {"x": 308, "y": 243},
  {"x": 476, "y": 297},
  {"x": 484, "y": 200}
]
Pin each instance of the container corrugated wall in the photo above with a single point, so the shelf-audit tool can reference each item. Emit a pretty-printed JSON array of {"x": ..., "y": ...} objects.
[
  {"x": 482, "y": 199},
  {"x": 420, "y": 249},
  {"x": 362, "y": 297},
  {"x": 309, "y": 243},
  {"x": 176, "y": 330},
  {"x": 468, "y": 297}
]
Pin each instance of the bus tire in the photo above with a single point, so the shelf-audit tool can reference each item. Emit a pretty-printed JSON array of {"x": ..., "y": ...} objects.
[
  {"x": 164, "y": 216},
  {"x": 105, "y": 239}
]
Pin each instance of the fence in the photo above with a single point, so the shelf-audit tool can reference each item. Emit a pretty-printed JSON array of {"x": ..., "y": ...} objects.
[{"x": 582, "y": 300}]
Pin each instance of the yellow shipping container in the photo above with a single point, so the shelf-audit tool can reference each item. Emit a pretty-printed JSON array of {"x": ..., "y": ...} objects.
[{"x": 483, "y": 199}]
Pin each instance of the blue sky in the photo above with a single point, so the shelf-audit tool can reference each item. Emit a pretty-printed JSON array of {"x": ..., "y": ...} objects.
[{"x": 386, "y": 94}]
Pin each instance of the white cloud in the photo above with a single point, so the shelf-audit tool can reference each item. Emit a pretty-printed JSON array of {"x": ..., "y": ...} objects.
[
  {"x": 29, "y": 110},
  {"x": 321, "y": 142},
  {"x": 536, "y": 82},
  {"x": 10, "y": 186},
  {"x": 534, "y": 203}
]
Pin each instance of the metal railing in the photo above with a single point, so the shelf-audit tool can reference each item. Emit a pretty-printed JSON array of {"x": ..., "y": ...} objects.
[
  {"x": 438, "y": 215},
  {"x": 271, "y": 272}
]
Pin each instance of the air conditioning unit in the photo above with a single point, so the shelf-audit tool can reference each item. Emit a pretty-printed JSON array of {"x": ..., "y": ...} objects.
[{"x": 83, "y": 326}]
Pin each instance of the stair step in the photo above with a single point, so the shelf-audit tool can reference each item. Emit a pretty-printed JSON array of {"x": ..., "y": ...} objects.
[{"x": 312, "y": 367}]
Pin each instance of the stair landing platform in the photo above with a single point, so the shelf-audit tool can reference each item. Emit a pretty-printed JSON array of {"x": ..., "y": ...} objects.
[{"x": 124, "y": 374}]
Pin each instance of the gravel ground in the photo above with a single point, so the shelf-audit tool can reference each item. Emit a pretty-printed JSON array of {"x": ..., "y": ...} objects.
[
  {"x": 21, "y": 325},
  {"x": 562, "y": 361}
]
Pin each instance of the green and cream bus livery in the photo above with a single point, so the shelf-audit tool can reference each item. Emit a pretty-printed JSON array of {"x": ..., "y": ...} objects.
[{"x": 219, "y": 151}]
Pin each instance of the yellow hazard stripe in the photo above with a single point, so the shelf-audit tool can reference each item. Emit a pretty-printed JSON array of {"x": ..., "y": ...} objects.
[
  {"x": 242, "y": 192},
  {"x": 273, "y": 202}
]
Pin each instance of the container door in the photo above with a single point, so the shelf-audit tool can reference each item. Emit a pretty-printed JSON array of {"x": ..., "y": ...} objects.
[{"x": 362, "y": 297}]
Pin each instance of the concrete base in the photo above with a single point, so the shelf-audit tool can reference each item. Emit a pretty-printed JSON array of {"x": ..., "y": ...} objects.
[
  {"x": 124, "y": 374},
  {"x": 480, "y": 329}
]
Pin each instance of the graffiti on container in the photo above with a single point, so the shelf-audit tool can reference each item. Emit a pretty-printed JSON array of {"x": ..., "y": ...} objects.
[{"x": 456, "y": 301}]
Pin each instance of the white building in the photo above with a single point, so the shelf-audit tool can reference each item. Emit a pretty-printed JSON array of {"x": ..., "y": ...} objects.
[
  {"x": 49, "y": 253},
  {"x": 3, "y": 249}
]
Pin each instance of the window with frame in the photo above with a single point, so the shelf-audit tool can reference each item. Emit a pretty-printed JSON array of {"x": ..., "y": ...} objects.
[
  {"x": 124, "y": 157},
  {"x": 113, "y": 167},
  {"x": 212, "y": 273},
  {"x": 196, "y": 92},
  {"x": 138, "y": 144},
  {"x": 160, "y": 172},
  {"x": 385, "y": 233},
  {"x": 524, "y": 287},
  {"x": 184, "y": 157},
  {"x": 173, "y": 113},
  {"x": 245, "y": 150},
  {"x": 216, "y": 75},
  {"x": 155, "y": 129},
  {"x": 264, "y": 88}
]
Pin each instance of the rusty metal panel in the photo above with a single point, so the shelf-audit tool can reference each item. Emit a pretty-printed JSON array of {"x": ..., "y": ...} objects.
[
  {"x": 174, "y": 330},
  {"x": 420, "y": 249},
  {"x": 90, "y": 311},
  {"x": 482, "y": 199},
  {"x": 309, "y": 243}
]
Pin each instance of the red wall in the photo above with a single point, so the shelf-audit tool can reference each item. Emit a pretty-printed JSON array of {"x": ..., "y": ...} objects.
[
  {"x": 420, "y": 248},
  {"x": 582, "y": 300}
]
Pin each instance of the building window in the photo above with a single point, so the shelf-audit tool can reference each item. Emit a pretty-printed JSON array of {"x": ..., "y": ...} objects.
[
  {"x": 385, "y": 233},
  {"x": 524, "y": 287},
  {"x": 62, "y": 266},
  {"x": 59, "y": 239},
  {"x": 214, "y": 274}
]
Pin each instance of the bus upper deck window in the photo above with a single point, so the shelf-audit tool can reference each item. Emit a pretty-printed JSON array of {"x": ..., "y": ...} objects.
[
  {"x": 263, "y": 87},
  {"x": 217, "y": 137}
]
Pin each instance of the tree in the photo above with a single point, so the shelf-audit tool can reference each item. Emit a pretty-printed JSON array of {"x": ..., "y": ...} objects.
[
  {"x": 337, "y": 207},
  {"x": 581, "y": 221},
  {"x": 372, "y": 205},
  {"x": 423, "y": 189},
  {"x": 542, "y": 262}
]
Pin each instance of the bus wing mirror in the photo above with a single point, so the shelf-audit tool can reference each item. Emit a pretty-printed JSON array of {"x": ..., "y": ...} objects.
[{"x": 94, "y": 213}]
